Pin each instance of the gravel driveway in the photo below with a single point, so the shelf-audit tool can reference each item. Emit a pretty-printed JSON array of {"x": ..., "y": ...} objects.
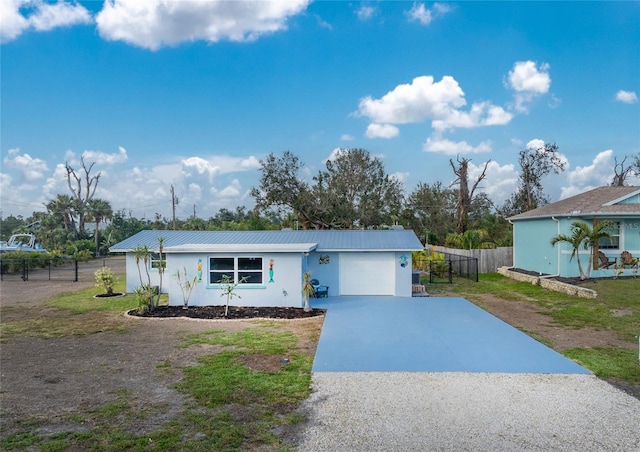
[{"x": 468, "y": 412}]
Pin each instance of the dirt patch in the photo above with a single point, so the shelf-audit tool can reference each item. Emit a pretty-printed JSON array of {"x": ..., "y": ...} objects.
[
  {"x": 57, "y": 385},
  {"x": 534, "y": 320}
]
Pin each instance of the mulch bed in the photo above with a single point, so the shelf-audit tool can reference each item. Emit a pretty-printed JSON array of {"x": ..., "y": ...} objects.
[{"x": 235, "y": 312}]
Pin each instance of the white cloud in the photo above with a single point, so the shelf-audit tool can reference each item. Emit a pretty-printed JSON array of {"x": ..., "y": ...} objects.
[
  {"x": 500, "y": 180},
  {"x": 61, "y": 14},
  {"x": 627, "y": 97},
  {"x": 400, "y": 177},
  {"x": 230, "y": 191},
  {"x": 201, "y": 166},
  {"x": 528, "y": 81},
  {"x": 30, "y": 168},
  {"x": 425, "y": 99},
  {"x": 583, "y": 178},
  {"x": 17, "y": 16},
  {"x": 346, "y": 137},
  {"x": 525, "y": 76},
  {"x": 448, "y": 147},
  {"x": 414, "y": 102},
  {"x": 102, "y": 158},
  {"x": 420, "y": 13},
  {"x": 12, "y": 23},
  {"x": 152, "y": 24},
  {"x": 381, "y": 131},
  {"x": 220, "y": 164},
  {"x": 365, "y": 12}
]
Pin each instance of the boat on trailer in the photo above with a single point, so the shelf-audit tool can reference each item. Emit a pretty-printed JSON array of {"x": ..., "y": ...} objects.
[{"x": 22, "y": 242}]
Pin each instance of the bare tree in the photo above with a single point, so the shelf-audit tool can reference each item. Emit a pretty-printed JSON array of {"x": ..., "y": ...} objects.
[
  {"x": 622, "y": 173},
  {"x": 463, "y": 206},
  {"x": 83, "y": 187}
]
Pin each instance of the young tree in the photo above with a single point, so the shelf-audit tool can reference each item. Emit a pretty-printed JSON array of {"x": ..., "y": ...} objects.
[
  {"x": 307, "y": 290},
  {"x": 83, "y": 187},
  {"x": 535, "y": 163},
  {"x": 465, "y": 195},
  {"x": 186, "y": 285},
  {"x": 228, "y": 287}
]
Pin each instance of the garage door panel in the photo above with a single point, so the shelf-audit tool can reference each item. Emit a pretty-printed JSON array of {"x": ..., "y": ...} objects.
[{"x": 367, "y": 274}]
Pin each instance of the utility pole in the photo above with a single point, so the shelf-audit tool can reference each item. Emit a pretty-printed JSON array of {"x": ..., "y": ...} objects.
[{"x": 174, "y": 201}]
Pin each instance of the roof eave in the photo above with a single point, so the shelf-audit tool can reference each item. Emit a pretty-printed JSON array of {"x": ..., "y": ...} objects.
[
  {"x": 242, "y": 248},
  {"x": 577, "y": 215}
]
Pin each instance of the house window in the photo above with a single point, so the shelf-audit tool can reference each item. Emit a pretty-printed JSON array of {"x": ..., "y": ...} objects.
[
  {"x": 613, "y": 241},
  {"x": 245, "y": 269},
  {"x": 155, "y": 261}
]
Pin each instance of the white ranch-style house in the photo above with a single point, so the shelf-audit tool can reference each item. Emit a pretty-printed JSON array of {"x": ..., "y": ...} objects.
[{"x": 269, "y": 265}]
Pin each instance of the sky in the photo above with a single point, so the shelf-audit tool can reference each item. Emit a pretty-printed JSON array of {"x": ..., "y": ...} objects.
[{"x": 194, "y": 94}]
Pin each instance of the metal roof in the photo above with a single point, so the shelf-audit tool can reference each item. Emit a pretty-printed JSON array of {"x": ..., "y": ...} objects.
[
  {"x": 273, "y": 241},
  {"x": 599, "y": 202}
]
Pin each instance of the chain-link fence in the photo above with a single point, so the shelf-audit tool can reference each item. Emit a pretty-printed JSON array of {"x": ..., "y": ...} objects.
[
  {"x": 442, "y": 269},
  {"x": 39, "y": 269}
]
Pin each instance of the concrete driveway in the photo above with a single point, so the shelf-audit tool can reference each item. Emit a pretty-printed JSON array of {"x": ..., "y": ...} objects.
[{"x": 394, "y": 334}]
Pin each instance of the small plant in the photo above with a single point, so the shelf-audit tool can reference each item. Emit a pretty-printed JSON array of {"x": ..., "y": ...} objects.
[
  {"x": 229, "y": 290},
  {"x": 143, "y": 254},
  {"x": 186, "y": 285},
  {"x": 104, "y": 279},
  {"x": 142, "y": 297},
  {"x": 307, "y": 290}
]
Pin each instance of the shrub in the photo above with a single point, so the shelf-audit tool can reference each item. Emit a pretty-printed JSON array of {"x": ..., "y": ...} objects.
[{"x": 104, "y": 279}]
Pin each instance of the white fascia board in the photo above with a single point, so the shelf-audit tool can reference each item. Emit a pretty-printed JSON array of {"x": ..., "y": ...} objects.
[
  {"x": 243, "y": 248},
  {"x": 368, "y": 250},
  {"x": 621, "y": 198}
]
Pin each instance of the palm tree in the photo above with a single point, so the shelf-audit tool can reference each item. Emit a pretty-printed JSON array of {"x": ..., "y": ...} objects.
[
  {"x": 63, "y": 208},
  {"x": 99, "y": 210},
  {"x": 582, "y": 235}
]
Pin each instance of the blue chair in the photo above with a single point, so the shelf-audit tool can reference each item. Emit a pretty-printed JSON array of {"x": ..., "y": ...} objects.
[{"x": 318, "y": 290}]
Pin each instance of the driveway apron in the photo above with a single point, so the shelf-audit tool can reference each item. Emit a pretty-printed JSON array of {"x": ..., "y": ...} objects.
[{"x": 395, "y": 334}]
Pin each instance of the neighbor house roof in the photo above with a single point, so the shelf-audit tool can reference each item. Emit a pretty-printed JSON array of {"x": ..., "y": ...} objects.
[
  {"x": 273, "y": 241},
  {"x": 599, "y": 202}
]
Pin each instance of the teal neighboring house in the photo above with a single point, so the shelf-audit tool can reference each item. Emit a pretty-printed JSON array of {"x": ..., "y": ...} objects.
[{"x": 533, "y": 231}]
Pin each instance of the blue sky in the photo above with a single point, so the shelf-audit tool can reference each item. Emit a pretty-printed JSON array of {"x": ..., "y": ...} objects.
[{"x": 195, "y": 93}]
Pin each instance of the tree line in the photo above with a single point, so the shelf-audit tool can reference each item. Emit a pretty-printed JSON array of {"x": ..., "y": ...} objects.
[{"x": 353, "y": 191}]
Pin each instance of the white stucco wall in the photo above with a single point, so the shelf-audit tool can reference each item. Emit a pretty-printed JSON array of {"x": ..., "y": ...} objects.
[
  {"x": 287, "y": 276},
  {"x": 288, "y": 270}
]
